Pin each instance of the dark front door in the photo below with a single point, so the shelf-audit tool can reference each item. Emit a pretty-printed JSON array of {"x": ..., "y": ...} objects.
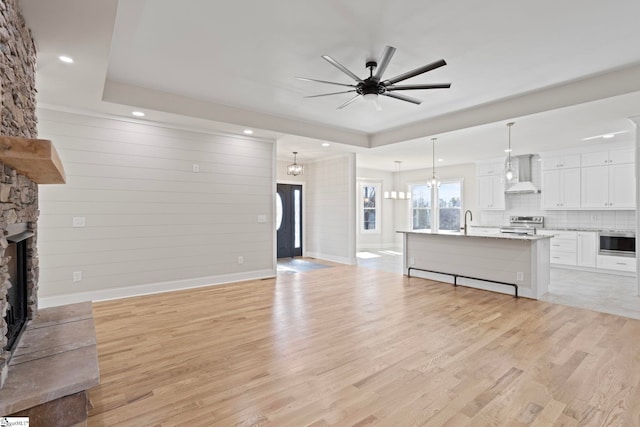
[{"x": 289, "y": 220}]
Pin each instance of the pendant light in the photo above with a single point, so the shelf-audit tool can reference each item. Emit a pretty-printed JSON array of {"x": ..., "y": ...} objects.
[
  {"x": 295, "y": 169},
  {"x": 509, "y": 173},
  {"x": 397, "y": 195},
  {"x": 435, "y": 181}
]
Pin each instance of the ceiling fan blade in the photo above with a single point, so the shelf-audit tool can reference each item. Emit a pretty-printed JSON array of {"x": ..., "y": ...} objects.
[
  {"x": 402, "y": 98},
  {"x": 415, "y": 72},
  {"x": 341, "y": 67},
  {"x": 324, "y": 81},
  {"x": 327, "y": 94},
  {"x": 348, "y": 102},
  {"x": 384, "y": 61},
  {"x": 414, "y": 87}
]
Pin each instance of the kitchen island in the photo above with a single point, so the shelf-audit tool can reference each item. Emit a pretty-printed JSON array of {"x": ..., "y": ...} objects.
[{"x": 484, "y": 261}]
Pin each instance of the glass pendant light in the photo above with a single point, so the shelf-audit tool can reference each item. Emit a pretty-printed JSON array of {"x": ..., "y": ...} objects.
[
  {"x": 435, "y": 181},
  {"x": 509, "y": 173}
]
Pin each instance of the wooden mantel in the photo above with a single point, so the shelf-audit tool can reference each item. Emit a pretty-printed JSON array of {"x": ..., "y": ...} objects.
[{"x": 35, "y": 158}]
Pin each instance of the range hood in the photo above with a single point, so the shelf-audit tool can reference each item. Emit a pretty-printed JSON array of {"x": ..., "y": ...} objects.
[{"x": 522, "y": 183}]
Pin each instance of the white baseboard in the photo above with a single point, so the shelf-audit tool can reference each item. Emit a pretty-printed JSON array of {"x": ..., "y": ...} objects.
[
  {"x": 382, "y": 246},
  {"x": 152, "y": 288},
  {"x": 332, "y": 258}
]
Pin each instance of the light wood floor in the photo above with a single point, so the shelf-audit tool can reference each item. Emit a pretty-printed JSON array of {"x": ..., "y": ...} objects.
[{"x": 354, "y": 346}]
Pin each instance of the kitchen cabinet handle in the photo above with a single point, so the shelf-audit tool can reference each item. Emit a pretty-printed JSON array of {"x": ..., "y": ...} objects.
[{"x": 621, "y": 263}]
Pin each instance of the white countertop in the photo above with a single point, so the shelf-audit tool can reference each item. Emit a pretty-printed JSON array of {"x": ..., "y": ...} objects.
[{"x": 508, "y": 236}]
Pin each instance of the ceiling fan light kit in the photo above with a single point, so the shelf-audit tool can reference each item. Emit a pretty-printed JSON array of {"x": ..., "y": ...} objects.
[{"x": 373, "y": 86}]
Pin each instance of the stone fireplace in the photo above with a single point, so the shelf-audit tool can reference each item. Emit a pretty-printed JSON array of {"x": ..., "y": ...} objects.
[
  {"x": 25, "y": 163},
  {"x": 18, "y": 192},
  {"x": 48, "y": 360}
]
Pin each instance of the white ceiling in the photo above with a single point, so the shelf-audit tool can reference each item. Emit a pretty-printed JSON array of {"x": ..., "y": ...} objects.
[{"x": 563, "y": 70}]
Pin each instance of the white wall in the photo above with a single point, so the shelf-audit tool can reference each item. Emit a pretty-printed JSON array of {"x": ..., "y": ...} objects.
[
  {"x": 385, "y": 238},
  {"x": 330, "y": 209},
  {"x": 151, "y": 223}
]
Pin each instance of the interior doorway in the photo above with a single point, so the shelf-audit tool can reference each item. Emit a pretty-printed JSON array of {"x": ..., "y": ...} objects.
[{"x": 289, "y": 220}]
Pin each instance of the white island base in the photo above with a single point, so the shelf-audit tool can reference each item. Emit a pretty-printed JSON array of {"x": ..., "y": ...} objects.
[{"x": 518, "y": 260}]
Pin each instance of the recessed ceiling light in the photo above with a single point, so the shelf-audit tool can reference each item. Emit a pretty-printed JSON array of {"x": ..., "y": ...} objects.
[
  {"x": 325, "y": 144},
  {"x": 441, "y": 160},
  {"x": 508, "y": 150},
  {"x": 66, "y": 59},
  {"x": 248, "y": 132},
  {"x": 137, "y": 113},
  {"x": 608, "y": 135}
]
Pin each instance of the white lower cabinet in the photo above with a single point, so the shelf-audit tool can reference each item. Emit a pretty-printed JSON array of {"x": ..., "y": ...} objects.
[
  {"x": 580, "y": 248},
  {"x": 587, "y": 241},
  {"x": 616, "y": 263},
  {"x": 563, "y": 246}
]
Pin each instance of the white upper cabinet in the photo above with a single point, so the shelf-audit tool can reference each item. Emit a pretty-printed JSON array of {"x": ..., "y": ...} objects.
[
  {"x": 561, "y": 162},
  {"x": 622, "y": 186},
  {"x": 491, "y": 192},
  {"x": 605, "y": 158},
  {"x": 490, "y": 182},
  {"x": 561, "y": 189},
  {"x": 608, "y": 180},
  {"x": 490, "y": 168}
]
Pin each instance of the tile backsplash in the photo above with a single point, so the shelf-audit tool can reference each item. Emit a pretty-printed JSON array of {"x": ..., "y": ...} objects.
[
  {"x": 531, "y": 205},
  {"x": 590, "y": 220}
]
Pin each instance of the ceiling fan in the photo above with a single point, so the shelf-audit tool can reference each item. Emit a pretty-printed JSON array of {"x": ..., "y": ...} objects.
[{"x": 373, "y": 85}]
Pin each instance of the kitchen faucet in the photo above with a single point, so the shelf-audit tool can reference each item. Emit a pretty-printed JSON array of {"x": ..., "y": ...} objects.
[{"x": 465, "y": 219}]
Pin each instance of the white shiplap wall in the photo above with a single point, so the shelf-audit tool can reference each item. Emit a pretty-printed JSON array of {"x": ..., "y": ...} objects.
[
  {"x": 152, "y": 224},
  {"x": 330, "y": 215}
]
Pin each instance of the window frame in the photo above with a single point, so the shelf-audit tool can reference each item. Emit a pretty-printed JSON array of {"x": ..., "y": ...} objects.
[
  {"x": 435, "y": 201},
  {"x": 452, "y": 181},
  {"x": 377, "y": 185},
  {"x": 411, "y": 208}
]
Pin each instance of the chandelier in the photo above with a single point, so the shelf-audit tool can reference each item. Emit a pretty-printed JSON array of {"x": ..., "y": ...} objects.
[
  {"x": 295, "y": 169},
  {"x": 397, "y": 195}
]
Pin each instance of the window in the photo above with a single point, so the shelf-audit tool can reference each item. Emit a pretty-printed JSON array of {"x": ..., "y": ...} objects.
[
  {"x": 449, "y": 205},
  {"x": 421, "y": 207},
  {"x": 447, "y": 210},
  {"x": 370, "y": 213}
]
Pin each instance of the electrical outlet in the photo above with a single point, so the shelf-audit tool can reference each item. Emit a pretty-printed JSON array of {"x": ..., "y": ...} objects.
[
  {"x": 262, "y": 219},
  {"x": 594, "y": 218},
  {"x": 77, "y": 276},
  {"x": 412, "y": 261},
  {"x": 520, "y": 276},
  {"x": 196, "y": 168},
  {"x": 240, "y": 259},
  {"x": 79, "y": 221}
]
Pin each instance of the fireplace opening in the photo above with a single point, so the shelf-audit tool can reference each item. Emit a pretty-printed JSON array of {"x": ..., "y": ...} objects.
[{"x": 16, "y": 315}]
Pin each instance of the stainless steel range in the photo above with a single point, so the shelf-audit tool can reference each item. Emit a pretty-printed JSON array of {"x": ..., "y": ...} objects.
[{"x": 523, "y": 224}]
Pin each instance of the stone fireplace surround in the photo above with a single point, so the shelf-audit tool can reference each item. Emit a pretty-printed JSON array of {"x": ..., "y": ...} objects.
[{"x": 18, "y": 204}]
